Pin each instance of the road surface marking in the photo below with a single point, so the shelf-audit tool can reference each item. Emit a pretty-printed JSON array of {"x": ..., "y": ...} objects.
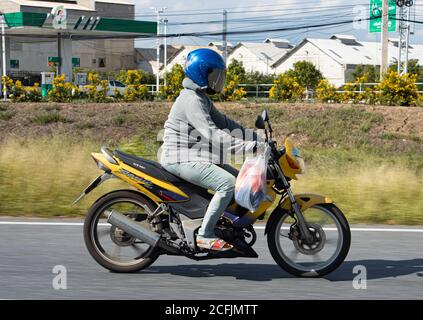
[{"x": 40, "y": 223}]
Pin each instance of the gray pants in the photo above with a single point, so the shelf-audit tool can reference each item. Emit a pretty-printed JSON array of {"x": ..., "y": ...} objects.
[{"x": 212, "y": 177}]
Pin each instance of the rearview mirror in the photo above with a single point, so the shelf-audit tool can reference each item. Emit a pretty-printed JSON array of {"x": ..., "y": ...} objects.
[
  {"x": 260, "y": 123},
  {"x": 265, "y": 115}
]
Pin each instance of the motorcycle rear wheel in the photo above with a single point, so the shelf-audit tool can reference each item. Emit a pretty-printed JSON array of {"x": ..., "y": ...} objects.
[{"x": 96, "y": 226}]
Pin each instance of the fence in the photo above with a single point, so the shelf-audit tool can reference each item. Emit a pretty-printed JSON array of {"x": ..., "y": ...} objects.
[{"x": 262, "y": 89}]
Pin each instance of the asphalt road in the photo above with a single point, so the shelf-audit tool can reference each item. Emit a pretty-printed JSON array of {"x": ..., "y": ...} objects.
[{"x": 29, "y": 252}]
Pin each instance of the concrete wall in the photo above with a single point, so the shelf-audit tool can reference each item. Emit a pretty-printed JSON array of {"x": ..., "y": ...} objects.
[
  {"x": 331, "y": 69},
  {"x": 8, "y": 6}
]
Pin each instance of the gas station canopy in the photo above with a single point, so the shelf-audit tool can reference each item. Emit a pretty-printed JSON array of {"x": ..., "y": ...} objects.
[
  {"x": 64, "y": 29},
  {"x": 31, "y": 24}
]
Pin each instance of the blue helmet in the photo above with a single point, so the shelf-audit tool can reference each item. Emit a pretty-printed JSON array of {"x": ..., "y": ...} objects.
[{"x": 206, "y": 68}]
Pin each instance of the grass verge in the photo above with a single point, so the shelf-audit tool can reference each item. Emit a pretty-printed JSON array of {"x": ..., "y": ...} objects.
[{"x": 42, "y": 176}]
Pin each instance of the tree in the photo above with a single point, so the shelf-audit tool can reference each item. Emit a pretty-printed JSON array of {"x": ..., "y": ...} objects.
[
  {"x": 369, "y": 72},
  {"x": 256, "y": 77},
  {"x": 236, "y": 69},
  {"x": 413, "y": 68},
  {"x": 234, "y": 76},
  {"x": 307, "y": 75},
  {"x": 174, "y": 83}
]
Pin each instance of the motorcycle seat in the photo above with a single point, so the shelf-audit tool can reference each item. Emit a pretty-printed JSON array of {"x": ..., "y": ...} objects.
[{"x": 150, "y": 167}]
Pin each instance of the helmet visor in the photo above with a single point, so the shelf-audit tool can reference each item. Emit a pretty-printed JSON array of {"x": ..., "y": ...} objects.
[{"x": 217, "y": 79}]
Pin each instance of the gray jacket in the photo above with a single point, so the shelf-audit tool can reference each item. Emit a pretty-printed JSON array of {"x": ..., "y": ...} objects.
[{"x": 196, "y": 131}]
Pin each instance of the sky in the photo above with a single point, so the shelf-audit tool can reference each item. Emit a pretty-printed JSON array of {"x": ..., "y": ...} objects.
[{"x": 259, "y": 15}]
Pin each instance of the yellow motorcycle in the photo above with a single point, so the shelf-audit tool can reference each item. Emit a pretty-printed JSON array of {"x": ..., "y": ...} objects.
[{"x": 127, "y": 230}]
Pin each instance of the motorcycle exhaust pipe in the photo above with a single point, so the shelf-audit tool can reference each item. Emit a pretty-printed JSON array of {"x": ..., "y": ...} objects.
[{"x": 132, "y": 228}]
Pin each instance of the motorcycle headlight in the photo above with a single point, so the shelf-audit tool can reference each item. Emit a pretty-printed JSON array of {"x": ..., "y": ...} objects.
[{"x": 301, "y": 164}]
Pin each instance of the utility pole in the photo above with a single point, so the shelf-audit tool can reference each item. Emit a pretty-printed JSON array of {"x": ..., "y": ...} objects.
[
  {"x": 384, "y": 38},
  {"x": 158, "y": 12},
  {"x": 224, "y": 41},
  {"x": 59, "y": 54},
  {"x": 404, "y": 35},
  {"x": 165, "y": 51},
  {"x": 3, "y": 54}
]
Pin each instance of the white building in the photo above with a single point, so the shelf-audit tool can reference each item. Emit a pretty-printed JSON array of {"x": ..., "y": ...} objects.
[
  {"x": 180, "y": 56},
  {"x": 338, "y": 56},
  {"x": 261, "y": 57}
]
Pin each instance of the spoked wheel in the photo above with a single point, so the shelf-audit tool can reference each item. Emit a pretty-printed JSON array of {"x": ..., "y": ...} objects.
[
  {"x": 330, "y": 245},
  {"x": 110, "y": 246}
]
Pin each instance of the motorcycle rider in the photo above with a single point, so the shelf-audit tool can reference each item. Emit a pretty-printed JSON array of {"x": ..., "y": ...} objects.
[{"x": 197, "y": 137}]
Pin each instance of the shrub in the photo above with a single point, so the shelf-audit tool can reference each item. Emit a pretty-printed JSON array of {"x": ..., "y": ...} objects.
[
  {"x": 286, "y": 88},
  {"x": 97, "y": 89},
  {"x": 9, "y": 83},
  {"x": 49, "y": 117},
  {"x": 33, "y": 94},
  {"x": 234, "y": 76},
  {"x": 147, "y": 77},
  {"x": 135, "y": 90},
  {"x": 62, "y": 91},
  {"x": 17, "y": 93},
  {"x": 326, "y": 92},
  {"x": 6, "y": 114},
  {"x": 174, "y": 83},
  {"x": 356, "y": 93},
  {"x": 232, "y": 92},
  {"x": 397, "y": 89}
]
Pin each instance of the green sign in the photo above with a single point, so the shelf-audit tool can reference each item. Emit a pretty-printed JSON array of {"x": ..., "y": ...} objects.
[
  {"x": 375, "y": 22},
  {"x": 14, "y": 64},
  {"x": 76, "y": 62},
  {"x": 54, "y": 59}
]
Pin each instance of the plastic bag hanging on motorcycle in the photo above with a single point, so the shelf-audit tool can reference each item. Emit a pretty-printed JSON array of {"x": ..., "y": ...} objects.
[{"x": 250, "y": 186}]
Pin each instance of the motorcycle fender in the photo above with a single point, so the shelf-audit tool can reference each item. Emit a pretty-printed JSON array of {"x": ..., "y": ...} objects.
[{"x": 305, "y": 201}]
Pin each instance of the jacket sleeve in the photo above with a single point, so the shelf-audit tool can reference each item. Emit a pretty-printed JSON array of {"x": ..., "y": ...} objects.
[
  {"x": 199, "y": 117},
  {"x": 224, "y": 122}
]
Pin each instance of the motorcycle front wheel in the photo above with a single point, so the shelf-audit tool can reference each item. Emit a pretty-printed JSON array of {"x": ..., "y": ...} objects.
[{"x": 330, "y": 246}]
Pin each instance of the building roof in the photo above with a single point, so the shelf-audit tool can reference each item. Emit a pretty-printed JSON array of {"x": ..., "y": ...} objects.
[
  {"x": 69, "y": 6},
  {"x": 147, "y": 57},
  {"x": 49, "y": 4},
  {"x": 279, "y": 42},
  {"x": 219, "y": 44},
  {"x": 348, "y": 50},
  {"x": 150, "y": 54},
  {"x": 264, "y": 51},
  {"x": 117, "y": 2}
]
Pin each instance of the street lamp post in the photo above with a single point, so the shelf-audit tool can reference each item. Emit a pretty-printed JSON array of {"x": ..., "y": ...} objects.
[
  {"x": 165, "y": 51},
  {"x": 158, "y": 12},
  {"x": 3, "y": 49}
]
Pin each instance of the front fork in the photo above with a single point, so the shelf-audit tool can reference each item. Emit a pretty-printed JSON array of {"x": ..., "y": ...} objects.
[{"x": 305, "y": 232}]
